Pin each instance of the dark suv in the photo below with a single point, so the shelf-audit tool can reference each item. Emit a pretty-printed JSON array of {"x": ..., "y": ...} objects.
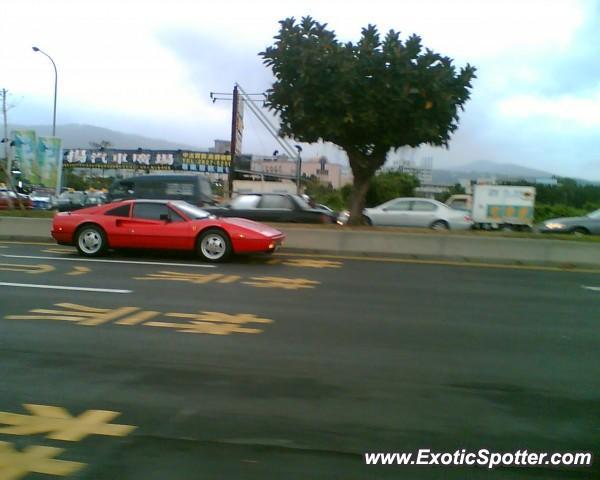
[{"x": 272, "y": 207}]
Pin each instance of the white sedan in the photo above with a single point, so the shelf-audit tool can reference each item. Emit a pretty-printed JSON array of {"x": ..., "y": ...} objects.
[{"x": 417, "y": 212}]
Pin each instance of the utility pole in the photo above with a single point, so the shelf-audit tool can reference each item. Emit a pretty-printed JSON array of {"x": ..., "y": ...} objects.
[
  {"x": 7, "y": 153},
  {"x": 4, "y": 116},
  {"x": 233, "y": 145}
]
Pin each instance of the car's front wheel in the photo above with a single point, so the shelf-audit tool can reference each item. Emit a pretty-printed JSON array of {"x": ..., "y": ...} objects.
[
  {"x": 214, "y": 245},
  {"x": 91, "y": 241}
]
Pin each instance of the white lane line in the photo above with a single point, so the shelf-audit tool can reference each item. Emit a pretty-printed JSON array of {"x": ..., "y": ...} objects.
[
  {"x": 595, "y": 289},
  {"x": 78, "y": 259},
  {"x": 62, "y": 287}
]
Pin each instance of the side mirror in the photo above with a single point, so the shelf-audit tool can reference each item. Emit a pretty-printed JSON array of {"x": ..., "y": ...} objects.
[{"x": 165, "y": 217}]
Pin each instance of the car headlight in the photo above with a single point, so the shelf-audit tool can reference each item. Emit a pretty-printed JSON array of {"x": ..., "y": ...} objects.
[{"x": 554, "y": 226}]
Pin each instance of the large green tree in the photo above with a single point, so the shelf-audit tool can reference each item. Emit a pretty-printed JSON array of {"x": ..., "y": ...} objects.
[{"x": 368, "y": 98}]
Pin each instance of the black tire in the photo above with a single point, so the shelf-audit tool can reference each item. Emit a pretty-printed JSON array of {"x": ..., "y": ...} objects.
[
  {"x": 367, "y": 220},
  {"x": 91, "y": 241},
  {"x": 440, "y": 225},
  {"x": 580, "y": 231},
  {"x": 214, "y": 245}
]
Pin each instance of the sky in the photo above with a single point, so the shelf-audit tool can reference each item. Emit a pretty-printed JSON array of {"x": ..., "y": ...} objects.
[{"x": 148, "y": 67}]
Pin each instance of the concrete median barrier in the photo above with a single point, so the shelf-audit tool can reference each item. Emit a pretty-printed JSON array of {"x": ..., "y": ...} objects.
[{"x": 377, "y": 242}]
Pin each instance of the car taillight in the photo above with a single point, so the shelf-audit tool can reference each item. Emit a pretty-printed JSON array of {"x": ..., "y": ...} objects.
[{"x": 468, "y": 218}]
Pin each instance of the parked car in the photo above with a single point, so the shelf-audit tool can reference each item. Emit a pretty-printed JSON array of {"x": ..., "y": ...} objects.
[
  {"x": 8, "y": 196},
  {"x": 94, "y": 197},
  {"x": 71, "y": 200},
  {"x": 589, "y": 224},
  {"x": 162, "y": 224},
  {"x": 43, "y": 199},
  {"x": 272, "y": 207},
  {"x": 195, "y": 189},
  {"x": 417, "y": 212}
]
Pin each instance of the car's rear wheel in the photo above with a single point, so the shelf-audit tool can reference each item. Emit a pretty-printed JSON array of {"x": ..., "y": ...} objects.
[
  {"x": 214, "y": 245},
  {"x": 440, "y": 225},
  {"x": 91, "y": 241}
]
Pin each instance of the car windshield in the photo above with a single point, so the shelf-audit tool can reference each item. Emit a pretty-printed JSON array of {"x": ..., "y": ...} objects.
[
  {"x": 594, "y": 214},
  {"x": 190, "y": 211}
]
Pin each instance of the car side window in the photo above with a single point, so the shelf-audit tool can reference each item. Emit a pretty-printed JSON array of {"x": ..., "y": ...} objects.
[
  {"x": 244, "y": 202},
  {"x": 399, "y": 206},
  {"x": 424, "y": 207},
  {"x": 174, "y": 216},
  {"x": 276, "y": 201},
  {"x": 122, "y": 211},
  {"x": 150, "y": 211}
]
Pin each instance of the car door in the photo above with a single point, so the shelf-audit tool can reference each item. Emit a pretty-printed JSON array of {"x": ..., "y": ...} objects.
[
  {"x": 155, "y": 225},
  {"x": 393, "y": 213},
  {"x": 276, "y": 208},
  {"x": 422, "y": 213}
]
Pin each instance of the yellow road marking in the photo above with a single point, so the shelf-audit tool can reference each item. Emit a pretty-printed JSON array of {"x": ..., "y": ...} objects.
[
  {"x": 79, "y": 271},
  {"x": 451, "y": 263},
  {"x": 59, "y": 424},
  {"x": 85, "y": 315},
  {"x": 282, "y": 282},
  {"x": 182, "y": 277},
  {"x": 138, "y": 318},
  {"x": 311, "y": 263},
  {"x": 237, "y": 318},
  {"x": 205, "y": 327},
  {"x": 33, "y": 269},
  {"x": 59, "y": 250},
  {"x": 229, "y": 279},
  {"x": 16, "y": 464}
]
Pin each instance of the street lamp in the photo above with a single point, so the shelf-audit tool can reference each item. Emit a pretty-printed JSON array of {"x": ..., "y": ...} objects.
[
  {"x": 59, "y": 166},
  {"x": 298, "y": 169},
  {"x": 36, "y": 49}
]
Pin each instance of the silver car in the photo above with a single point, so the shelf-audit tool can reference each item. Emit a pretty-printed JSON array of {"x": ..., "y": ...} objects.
[
  {"x": 590, "y": 224},
  {"x": 418, "y": 212}
]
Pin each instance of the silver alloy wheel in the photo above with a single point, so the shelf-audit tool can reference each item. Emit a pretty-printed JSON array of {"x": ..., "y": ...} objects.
[
  {"x": 213, "y": 246},
  {"x": 90, "y": 241}
]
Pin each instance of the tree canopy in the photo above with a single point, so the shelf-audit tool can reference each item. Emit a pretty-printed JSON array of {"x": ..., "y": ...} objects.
[{"x": 369, "y": 97}]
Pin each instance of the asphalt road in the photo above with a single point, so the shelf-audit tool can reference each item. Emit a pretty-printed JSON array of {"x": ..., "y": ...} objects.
[{"x": 289, "y": 366}]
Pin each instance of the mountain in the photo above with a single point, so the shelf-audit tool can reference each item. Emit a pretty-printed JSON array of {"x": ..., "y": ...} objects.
[
  {"x": 501, "y": 169},
  {"x": 80, "y": 136}
]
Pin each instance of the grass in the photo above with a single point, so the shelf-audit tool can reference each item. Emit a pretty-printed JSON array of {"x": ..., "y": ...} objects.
[{"x": 27, "y": 213}]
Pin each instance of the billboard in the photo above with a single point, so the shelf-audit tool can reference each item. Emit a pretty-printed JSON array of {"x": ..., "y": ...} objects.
[
  {"x": 202, "y": 162},
  {"x": 24, "y": 153},
  {"x": 48, "y": 158}
]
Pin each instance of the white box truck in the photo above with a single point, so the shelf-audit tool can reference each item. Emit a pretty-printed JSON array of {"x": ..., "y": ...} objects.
[{"x": 498, "y": 206}]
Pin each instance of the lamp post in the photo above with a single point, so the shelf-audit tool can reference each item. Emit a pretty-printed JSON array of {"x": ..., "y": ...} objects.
[
  {"x": 59, "y": 166},
  {"x": 298, "y": 169}
]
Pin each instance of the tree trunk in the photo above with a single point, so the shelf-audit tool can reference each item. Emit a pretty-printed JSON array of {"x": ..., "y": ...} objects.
[{"x": 357, "y": 201}]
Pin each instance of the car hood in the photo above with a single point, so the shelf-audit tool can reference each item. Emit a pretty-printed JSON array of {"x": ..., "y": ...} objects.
[{"x": 251, "y": 225}]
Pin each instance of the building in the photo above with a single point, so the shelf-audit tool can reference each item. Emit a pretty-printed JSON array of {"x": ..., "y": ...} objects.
[{"x": 328, "y": 173}]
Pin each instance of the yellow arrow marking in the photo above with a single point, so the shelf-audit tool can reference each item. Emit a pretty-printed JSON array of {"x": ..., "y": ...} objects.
[
  {"x": 33, "y": 459},
  {"x": 60, "y": 425},
  {"x": 79, "y": 271},
  {"x": 33, "y": 269}
]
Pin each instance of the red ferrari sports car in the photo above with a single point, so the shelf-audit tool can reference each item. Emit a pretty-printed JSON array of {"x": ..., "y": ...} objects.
[{"x": 161, "y": 224}]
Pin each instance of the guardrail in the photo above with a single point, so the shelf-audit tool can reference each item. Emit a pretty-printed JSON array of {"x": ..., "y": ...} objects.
[{"x": 438, "y": 245}]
